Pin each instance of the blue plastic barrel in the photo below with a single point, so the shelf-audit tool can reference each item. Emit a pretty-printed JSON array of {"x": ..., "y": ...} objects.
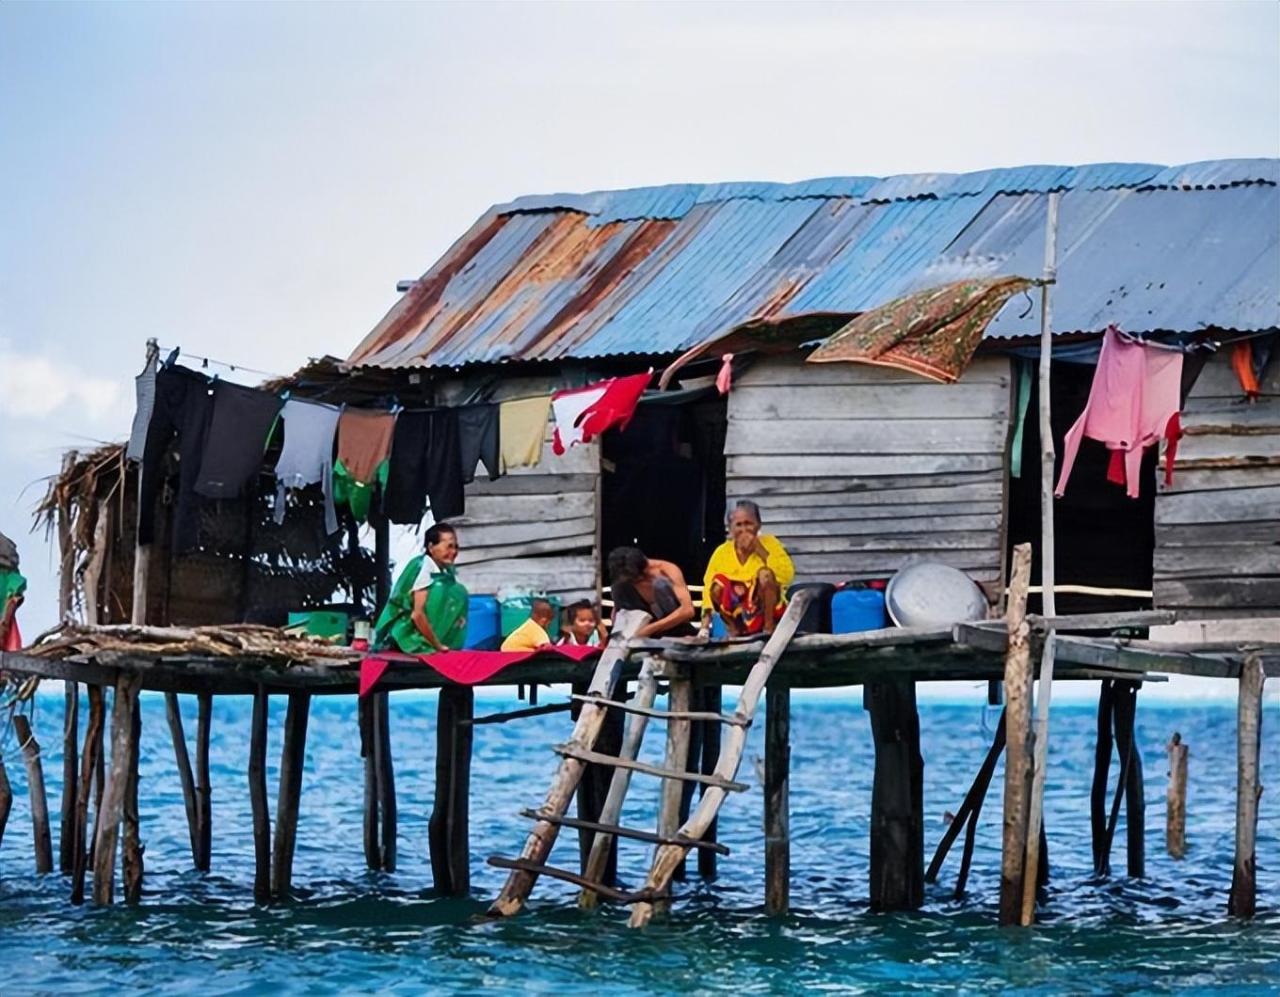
[
  {"x": 483, "y": 622},
  {"x": 853, "y": 610}
]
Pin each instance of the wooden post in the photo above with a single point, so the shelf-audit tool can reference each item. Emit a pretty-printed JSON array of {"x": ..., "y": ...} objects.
[
  {"x": 6, "y": 797},
  {"x": 385, "y": 780},
  {"x": 1175, "y": 825},
  {"x": 35, "y": 787},
  {"x": 173, "y": 714},
  {"x": 88, "y": 765},
  {"x": 292, "y": 762},
  {"x": 112, "y": 808},
  {"x": 141, "y": 554},
  {"x": 593, "y": 793},
  {"x": 1243, "y": 898},
  {"x": 897, "y": 797},
  {"x": 1017, "y": 768},
  {"x": 449, "y": 827},
  {"x": 204, "y": 792},
  {"x": 777, "y": 810},
  {"x": 258, "y": 799},
  {"x": 131, "y": 866},
  {"x": 1031, "y": 868},
  {"x": 966, "y": 818},
  {"x": 680, "y": 700},
  {"x": 70, "y": 733},
  {"x": 372, "y": 853},
  {"x": 1101, "y": 771},
  {"x": 1135, "y": 804},
  {"x": 712, "y": 702}
]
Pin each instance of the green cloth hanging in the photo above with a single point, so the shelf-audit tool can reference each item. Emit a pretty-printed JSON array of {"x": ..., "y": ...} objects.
[
  {"x": 358, "y": 495},
  {"x": 12, "y": 585},
  {"x": 1020, "y": 420},
  {"x": 446, "y": 611}
]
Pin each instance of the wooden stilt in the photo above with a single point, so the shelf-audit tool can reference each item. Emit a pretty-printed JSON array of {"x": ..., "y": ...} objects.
[
  {"x": 1101, "y": 772},
  {"x": 36, "y": 790},
  {"x": 692, "y": 765},
  {"x": 966, "y": 818},
  {"x": 777, "y": 809},
  {"x": 1243, "y": 898},
  {"x": 372, "y": 851},
  {"x": 1135, "y": 804},
  {"x": 677, "y": 759},
  {"x": 385, "y": 780},
  {"x": 88, "y": 764},
  {"x": 292, "y": 762},
  {"x": 712, "y": 702},
  {"x": 603, "y": 849},
  {"x": 897, "y": 797},
  {"x": 1017, "y": 769},
  {"x": 6, "y": 798},
  {"x": 111, "y": 811},
  {"x": 173, "y": 714},
  {"x": 594, "y": 791},
  {"x": 70, "y": 766},
  {"x": 204, "y": 791},
  {"x": 1175, "y": 827},
  {"x": 258, "y": 799},
  {"x": 449, "y": 826},
  {"x": 131, "y": 865}
]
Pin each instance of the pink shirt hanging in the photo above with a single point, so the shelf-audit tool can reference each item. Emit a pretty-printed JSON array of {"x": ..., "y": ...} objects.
[{"x": 1133, "y": 403}]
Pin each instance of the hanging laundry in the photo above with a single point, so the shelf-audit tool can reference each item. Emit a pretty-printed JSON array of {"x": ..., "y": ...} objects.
[
  {"x": 478, "y": 440},
  {"x": 364, "y": 443},
  {"x": 522, "y": 427},
  {"x": 183, "y": 404},
  {"x": 238, "y": 430},
  {"x": 1242, "y": 364},
  {"x": 306, "y": 456},
  {"x": 581, "y": 414},
  {"x": 1133, "y": 403},
  {"x": 144, "y": 387},
  {"x": 425, "y": 464}
]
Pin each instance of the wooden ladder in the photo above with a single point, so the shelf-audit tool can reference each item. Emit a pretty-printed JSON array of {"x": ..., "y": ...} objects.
[{"x": 673, "y": 840}]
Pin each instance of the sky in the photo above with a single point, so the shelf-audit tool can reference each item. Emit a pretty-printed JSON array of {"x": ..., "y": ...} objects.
[{"x": 249, "y": 181}]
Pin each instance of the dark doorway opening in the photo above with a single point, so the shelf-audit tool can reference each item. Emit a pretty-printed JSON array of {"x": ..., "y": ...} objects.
[
  {"x": 1102, "y": 537},
  {"x": 663, "y": 486}
]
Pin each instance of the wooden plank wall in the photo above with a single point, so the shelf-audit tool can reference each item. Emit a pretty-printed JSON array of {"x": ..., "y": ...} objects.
[
  {"x": 858, "y": 468},
  {"x": 1217, "y": 548},
  {"x": 535, "y": 527}
]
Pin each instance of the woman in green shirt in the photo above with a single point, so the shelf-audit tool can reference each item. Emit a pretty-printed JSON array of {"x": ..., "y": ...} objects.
[{"x": 427, "y": 610}]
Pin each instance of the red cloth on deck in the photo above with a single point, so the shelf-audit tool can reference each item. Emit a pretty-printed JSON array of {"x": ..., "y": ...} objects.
[{"x": 466, "y": 667}]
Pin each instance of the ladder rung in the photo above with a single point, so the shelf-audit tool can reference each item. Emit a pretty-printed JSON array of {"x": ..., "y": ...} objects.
[
  {"x": 732, "y": 719},
  {"x": 582, "y": 755},
  {"x": 608, "y": 892},
  {"x": 624, "y": 832}
]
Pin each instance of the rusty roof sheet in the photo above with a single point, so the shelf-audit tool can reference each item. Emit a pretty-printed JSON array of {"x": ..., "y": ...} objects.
[{"x": 657, "y": 270}]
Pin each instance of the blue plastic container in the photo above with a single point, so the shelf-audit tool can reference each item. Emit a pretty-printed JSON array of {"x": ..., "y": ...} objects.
[
  {"x": 483, "y": 623},
  {"x": 854, "y": 610}
]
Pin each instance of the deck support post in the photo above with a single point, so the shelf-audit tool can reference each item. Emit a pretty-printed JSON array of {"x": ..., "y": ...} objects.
[
  {"x": 777, "y": 808},
  {"x": 111, "y": 810},
  {"x": 258, "y": 798},
  {"x": 680, "y": 700},
  {"x": 6, "y": 797},
  {"x": 1018, "y": 739},
  {"x": 372, "y": 853},
  {"x": 1243, "y": 898},
  {"x": 1175, "y": 827},
  {"x": 204, "y": 791},
  {"x": 897, "y": 797},
  {"x": 966, "y": 818},
  {"x": 593, "y": 792},
  {"x": 712, "y": 701},
  {"x": 292, "y": 762},
  {"x": 35, "y": 788},
  {"x": 449, "y": 827},
  {"x": 88, "y": 765},
  {"x": 384, "y": 780},
  {"x": 131, "y": 863},
  {"x": 70, "y": 767},
  {"x": 1135, "y": 804},
  {"x": 173, "y": 714}
]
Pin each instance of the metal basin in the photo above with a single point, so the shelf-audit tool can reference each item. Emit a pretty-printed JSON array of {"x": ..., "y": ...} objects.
[{"x": 927, "y": 594}]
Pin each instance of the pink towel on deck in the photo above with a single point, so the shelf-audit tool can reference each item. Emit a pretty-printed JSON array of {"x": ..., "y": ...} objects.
[
  {"x": 466, "y": 667},
  {"x": 1133, "y": 402}
]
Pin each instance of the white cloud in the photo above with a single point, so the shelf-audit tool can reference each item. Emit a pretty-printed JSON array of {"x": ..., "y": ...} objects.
[{"x": 34, "y": 386}]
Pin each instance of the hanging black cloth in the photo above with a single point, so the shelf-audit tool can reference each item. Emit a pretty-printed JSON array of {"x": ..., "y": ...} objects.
[
  {"x": 426, "y": 460},
  {"x": 478, "y": 440},
  {"x": 242, "y": 418},
  {"x": 182, "y": 408}
]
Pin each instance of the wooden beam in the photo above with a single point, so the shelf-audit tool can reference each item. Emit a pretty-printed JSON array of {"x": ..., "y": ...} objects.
[{"x": 777, "y": 808}]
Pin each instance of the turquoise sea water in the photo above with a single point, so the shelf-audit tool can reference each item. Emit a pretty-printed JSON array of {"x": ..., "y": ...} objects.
[{"x": 351, "y": 930}]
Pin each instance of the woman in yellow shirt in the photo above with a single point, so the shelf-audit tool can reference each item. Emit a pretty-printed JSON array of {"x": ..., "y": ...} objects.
[{"x": 747, "y": 577}]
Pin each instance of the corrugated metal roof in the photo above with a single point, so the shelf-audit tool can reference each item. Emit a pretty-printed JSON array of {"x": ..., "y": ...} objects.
[{"x": 656, "y": 270}]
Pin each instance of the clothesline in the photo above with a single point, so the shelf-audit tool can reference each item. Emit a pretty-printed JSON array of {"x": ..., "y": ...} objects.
[{"x": 205, "y": 361}]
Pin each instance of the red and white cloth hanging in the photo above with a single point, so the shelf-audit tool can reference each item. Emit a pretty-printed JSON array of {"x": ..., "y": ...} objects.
[{"x": 581, "y": 414}]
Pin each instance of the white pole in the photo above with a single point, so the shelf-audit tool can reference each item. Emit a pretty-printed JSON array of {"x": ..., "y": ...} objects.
[{"x": 1048, "y": 608}]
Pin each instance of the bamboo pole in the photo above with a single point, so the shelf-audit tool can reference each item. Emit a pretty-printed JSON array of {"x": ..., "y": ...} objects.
[
  {"x": 1175, "y": 828},
  {"x": 1048, "y": 605},
  {"x": 1017, "y": 767},
  {"x": 35, "y": 789},
  {"x": 1243, "y": 898}
]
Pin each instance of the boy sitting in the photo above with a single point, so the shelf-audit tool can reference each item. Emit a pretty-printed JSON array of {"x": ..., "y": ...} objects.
[{"x": 532, "y": 633}]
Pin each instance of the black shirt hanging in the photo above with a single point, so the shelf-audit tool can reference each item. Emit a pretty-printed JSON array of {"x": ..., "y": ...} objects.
[
  {"x": 242, "y": 418},
  {"x": 426, "y": 460}
]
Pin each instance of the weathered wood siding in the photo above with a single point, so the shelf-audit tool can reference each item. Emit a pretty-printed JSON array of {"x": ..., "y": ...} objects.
[
  {"x": 858, "y": 468},
  {"x": 1217, "y": 542}
]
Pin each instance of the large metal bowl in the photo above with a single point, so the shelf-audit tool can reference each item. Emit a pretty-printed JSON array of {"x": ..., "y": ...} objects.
[{"x": 927, "y": 594}]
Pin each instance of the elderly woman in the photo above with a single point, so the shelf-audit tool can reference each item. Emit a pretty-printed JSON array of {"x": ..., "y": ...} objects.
[
  {"x": 427, "y": 610},
  {"x": 747, "y": 577}
]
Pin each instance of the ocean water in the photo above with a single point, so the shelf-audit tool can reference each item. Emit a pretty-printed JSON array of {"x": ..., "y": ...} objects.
[{"x": 349, "y": 930}]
